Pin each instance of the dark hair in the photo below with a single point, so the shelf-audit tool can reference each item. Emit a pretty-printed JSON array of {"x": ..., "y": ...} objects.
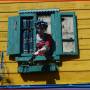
[{"x": 41, "y": 24}]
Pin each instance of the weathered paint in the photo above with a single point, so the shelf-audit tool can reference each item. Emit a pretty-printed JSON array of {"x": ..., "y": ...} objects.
[{"x": 72, "y": 70}]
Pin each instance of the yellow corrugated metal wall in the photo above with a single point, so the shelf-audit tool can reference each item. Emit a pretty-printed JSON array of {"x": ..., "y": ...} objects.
[{"x": 72, "y": 70}]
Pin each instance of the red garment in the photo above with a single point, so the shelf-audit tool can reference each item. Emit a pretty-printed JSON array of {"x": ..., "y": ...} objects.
[{"x": 46, "y": 41}]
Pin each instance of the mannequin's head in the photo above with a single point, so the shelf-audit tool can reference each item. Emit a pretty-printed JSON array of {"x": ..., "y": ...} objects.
[{"x": 41, "y": 26}]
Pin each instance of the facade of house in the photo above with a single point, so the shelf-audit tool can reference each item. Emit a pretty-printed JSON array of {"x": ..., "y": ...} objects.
[{"x": 71, "y": 70}]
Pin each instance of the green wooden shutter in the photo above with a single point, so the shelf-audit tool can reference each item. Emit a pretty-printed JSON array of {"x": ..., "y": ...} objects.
[
  {"x": 56, "y": 34},
  {"x": 13, "y": 35},
  {"x": 69, "y": 39}
]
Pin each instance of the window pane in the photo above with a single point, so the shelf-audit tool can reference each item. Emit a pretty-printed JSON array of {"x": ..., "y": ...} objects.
[
  {"x": 68, "y": 47},
  {"x": 27, "y": 37},
  {"x": 67, "y": 27}
]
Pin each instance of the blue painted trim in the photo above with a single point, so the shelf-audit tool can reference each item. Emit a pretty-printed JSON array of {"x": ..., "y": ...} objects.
[
  {"x": 76, "y": 35},
  {"x": 67, "y": 13},
  {"x": 27, "y": 58},
  {"x": 37, "y": 68},
  {"x": 13, "y": 35},
  {"x": 48, "y": 86},
  {"x": 27, "y": 14},
  {"x": 38, "y": 11}
]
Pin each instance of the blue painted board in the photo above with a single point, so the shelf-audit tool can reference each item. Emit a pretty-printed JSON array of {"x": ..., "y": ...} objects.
[{"x": 13, "y": 35}]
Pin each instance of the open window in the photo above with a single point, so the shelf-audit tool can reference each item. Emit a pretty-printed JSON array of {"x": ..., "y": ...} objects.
[{"x": 22, "y": 37}]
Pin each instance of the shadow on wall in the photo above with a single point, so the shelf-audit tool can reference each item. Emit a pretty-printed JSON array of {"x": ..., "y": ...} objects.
[{"x": 49, "y": 77}]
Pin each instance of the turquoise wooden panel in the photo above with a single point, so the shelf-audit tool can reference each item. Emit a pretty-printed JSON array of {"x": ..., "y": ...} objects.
[
  {"x": 52, "y": 31},
  {"x": 27, "y": 14},
  {"x": 76, "y": 35},
  {"x": 37, "y": 68},
  {"x": 27, "y": 57},
  {"x": 56, "y": 34},
  {"x": 13, "y": 35}
]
